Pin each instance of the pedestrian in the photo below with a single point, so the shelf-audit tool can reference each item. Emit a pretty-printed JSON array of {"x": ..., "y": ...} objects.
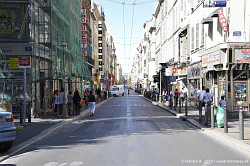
[
  {"x": 223, "y": 102},
  {"x": 76, "y": 101},
  {"x": 61, "y": 96},
  {"x": 70, "y": 103},
  {"x": 91, "y": 98},
  {"x": 105, "y": 93},
  {"x": 164, "y": 94},
  {"x": 182, "y": 96},
  {"x": 156, "y": 94},
  {"x": 176, "y": 96},
  {"x": 86, "y": 94},
  {"x": 207, "y": 97},
  {"x": 153, "y": 94},
  {"x": 200, "y": 98},
  {"x": 98, "y": 94},
  {"x": 56, "y": 101}
]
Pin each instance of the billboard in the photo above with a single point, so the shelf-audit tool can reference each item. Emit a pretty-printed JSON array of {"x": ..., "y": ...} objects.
[
  {"x": 12, "y": 18},
  {"x": 214, "y": 3}
]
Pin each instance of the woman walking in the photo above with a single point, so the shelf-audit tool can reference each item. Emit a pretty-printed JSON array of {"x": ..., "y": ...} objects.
[
  {"x": 91, "y": 103},
  {"x": 76, "y": 101}
]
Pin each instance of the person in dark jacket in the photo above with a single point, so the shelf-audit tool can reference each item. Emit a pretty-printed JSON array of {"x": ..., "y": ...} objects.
[
  {"x": 91, "y": 103},
  {"x": 76, "y": 101}
]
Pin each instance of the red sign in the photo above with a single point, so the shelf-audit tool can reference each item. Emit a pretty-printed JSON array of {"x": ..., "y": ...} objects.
[
  {"x": 101, "y": 80},
  {"x": 222, "y": 20},
  {"x": 174, "y": 70},
  {"x": 24, "y": 61}
]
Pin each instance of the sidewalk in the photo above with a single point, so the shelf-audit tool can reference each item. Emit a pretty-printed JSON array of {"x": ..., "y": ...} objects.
[
  {"x": 233, "y": 122},
  {"x": 39, "y": 128}
]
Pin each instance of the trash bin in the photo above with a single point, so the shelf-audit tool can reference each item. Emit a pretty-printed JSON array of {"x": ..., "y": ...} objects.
[{"x": 220, "y": 117}]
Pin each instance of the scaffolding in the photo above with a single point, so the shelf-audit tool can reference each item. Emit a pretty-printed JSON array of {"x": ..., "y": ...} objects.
[{"x": 48, "y": 23}]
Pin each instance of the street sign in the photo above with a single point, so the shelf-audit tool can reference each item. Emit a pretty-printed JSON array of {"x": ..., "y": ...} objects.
[
  {"x": 24, "y": 62},
  {"x": 237, "y": 33}
]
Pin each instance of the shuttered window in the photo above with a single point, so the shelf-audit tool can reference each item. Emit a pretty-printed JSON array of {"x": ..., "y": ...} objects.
[{"x": 197, "y": 35}]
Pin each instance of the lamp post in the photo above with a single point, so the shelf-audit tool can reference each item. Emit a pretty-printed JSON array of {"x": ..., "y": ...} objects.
[
  {"x": 160, "y": 86},
  {"x": 64, "y": 107}
]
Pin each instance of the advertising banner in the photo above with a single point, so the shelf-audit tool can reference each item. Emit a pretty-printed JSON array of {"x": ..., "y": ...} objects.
[
  {"x": 12, "y": 17},
  {"x": 242, "y": 56},
  {"x": 16, "y": 49}
]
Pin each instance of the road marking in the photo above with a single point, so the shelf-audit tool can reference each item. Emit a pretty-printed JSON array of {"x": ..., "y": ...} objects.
[{"x": 133, "y": 159}]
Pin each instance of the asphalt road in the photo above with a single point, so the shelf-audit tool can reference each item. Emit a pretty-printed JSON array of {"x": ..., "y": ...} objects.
[{"x": 132, "y": 131}]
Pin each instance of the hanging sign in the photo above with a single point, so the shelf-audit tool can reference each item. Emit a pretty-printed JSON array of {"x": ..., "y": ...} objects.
[{"x": 222, "y": 20}]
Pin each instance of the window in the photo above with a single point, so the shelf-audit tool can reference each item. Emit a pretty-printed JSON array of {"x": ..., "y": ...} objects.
[
  {"x": 99, "y": 44},
  {"x": 100, "y": 50},
  {"x": 99, "y": 25},
  {"x": 100, "y": 62},
  {"x": 100, "y": 68},
  {"x": 100, "y": 38},
  {"x": 100, "y": 56},
  {"x": 192, "y": 36},
  {"x": 202, "y": 34},
  {"x": 197, "y": 35},
  {"x": 100, "y": 32}
]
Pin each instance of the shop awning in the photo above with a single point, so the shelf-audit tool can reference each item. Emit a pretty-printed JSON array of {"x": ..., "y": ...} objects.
[{"x": 210, "y": 17}]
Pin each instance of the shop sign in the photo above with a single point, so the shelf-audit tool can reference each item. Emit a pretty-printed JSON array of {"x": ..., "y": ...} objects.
[
  {"x": 183, "y": 71},
  {"x": 83, "y": 16},
  {"x": 222, "y": 20},
  {"x": 168, "y": 72},
  {"x": 239, "y": 45},
  {"x": 214, "y": 3},
  {"x": 210, "y": 62},
  {"x": 216, "y": 58},
  {"x": 204, "y": 60},
  {"x": 174, "y": 70},
  {"x": 242, "y": 55},
  {"x": 10, "y": 49},
  {"x": 101, "y": 80}
]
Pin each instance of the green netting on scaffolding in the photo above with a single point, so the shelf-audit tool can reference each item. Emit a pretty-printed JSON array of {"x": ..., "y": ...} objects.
[{"x": 66, "y": 26}]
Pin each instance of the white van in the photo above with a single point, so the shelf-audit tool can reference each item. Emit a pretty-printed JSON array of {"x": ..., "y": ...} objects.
[{"x": 117, "y": 90}]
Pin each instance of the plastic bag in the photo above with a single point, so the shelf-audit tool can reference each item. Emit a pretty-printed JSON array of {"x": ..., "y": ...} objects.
[{"x": 220, "y": 117}]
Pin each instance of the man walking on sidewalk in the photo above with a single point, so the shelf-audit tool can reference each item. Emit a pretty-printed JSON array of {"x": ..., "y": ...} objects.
[{"x": 91, "y": 103}]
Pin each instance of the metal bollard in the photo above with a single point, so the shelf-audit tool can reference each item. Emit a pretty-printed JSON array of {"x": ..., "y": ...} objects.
[
  {"x": 179, "y": 105},
  {"x": 225, "y": 120},
  {"x": 241, "y": 124},
  {"x": 186, "y": 107},
  {"x": 200, "y": 111},
  {"x": 206, "y": 115},
  {"x": 175, "y": 103},
  {"x": 212, "y": 115},
  {"x": 171, "y": 104}
]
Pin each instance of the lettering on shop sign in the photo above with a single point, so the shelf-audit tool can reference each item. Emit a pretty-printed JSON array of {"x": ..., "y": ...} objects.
[
  {"x": 239, "y": 45},
  {"x": 222, "y": 20}
]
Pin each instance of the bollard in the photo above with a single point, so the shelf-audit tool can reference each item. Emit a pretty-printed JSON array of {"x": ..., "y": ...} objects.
[
  {"x": 21, "y": 114},
  {"x": 171, "y": 104},
  {"x": 179, "y": 105},
  {"x": 175, "y": 103},
  {"x": 212, "y": 115},
  {"x": 200, "y": 111},
  {"x": 241, "y": 124},
  {"x": 225, "y": 120},
  {"x": 186, "y": 107},
  {"x": 206, "y": 115}
]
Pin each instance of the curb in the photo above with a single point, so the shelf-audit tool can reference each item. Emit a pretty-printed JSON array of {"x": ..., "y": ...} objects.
[
  {"x": 217, "y": 134},
  {"x": 46, "y": 133}
]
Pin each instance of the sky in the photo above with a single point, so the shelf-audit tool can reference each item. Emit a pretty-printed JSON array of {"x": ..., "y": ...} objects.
[{"x": 124, "y": 21}]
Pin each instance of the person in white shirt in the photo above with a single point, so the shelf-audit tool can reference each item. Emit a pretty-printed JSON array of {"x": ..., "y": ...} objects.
[
  {"x": 61, "y": 95},
  {"x": 182, "y": 95}
]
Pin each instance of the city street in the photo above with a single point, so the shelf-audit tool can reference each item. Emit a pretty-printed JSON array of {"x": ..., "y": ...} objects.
[{"x": 130, "y": 130}]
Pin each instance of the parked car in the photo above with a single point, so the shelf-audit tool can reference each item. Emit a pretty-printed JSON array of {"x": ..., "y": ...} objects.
[{"x": 7, "y": 130}]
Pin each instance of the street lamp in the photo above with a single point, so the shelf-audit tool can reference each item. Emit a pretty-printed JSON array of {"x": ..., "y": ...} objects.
[
  {"x": 64, "y": 107},
  {"x": 160, "y": 85}
]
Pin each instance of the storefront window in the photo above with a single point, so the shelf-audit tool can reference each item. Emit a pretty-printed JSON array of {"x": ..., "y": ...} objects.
[{"x": 240, "y": 96}]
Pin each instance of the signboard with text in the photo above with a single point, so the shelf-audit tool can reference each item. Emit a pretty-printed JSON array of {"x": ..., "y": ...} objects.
[
  {"x": 214, "y": 3},
  {"x": 24, "y": 62}
]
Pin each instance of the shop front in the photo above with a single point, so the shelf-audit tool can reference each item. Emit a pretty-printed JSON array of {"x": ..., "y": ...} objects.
[{"x": 194, "y": 77}]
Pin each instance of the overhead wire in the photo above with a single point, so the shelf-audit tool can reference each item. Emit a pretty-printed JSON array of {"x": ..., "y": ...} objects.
[
  {"x": 132, "y": 25},
  {"x": 123, "y": 3}
]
